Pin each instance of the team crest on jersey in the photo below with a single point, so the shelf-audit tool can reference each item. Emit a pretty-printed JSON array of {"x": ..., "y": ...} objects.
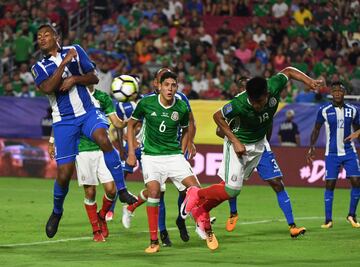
[
  {"x": 175, "y": 116},
  {"x": 227, "y": 108},
  {"x": 34, "y": 72},
  {"x": 272, "y": 102}
]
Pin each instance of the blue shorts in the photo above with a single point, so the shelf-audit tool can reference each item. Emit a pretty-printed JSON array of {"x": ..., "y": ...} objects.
[
  {"x": 67, "y": 134},
  {"x": 350, "y": 162},
  {"x": 268, "y": 168},
  {"x": 126, "y": 167}
]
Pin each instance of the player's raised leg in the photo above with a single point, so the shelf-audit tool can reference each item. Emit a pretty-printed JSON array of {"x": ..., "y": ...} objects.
[{"x": 112, "y": 160}]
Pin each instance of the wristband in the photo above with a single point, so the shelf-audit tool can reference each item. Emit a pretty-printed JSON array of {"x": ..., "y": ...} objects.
[{"x": 51, "y": 140}]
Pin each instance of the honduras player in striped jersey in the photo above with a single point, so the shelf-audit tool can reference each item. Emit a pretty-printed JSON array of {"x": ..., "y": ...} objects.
[
  {"x": 339, "y": 118},
  {"x": 63, "y": 75}
]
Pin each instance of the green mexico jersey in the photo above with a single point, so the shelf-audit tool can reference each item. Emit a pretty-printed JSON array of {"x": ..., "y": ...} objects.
[
  {"x": 248, "y": 125},
  {"x": 108, "y": 108},
  {"x": 161, "y": 125}
]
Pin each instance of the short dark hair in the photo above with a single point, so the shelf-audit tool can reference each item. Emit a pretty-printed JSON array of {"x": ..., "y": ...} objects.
[
  {"x": 48, "y": 25},
  {"x": 167, "y": 75},
  {"x": 338, "y": 83},
  {"x": 256, "y": 87},
  {"x": 164, "y": 69}
]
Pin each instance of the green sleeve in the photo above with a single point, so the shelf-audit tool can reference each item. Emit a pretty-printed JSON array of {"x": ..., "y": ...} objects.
[
  {"x": 277, "y": 83},
  {"x": 105, "y": 101},
  {"x": 184, "y": 122},
  {"x": 139, "y": 111}
]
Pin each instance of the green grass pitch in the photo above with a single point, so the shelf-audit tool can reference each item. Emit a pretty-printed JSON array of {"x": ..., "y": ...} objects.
[{"x": 260, "y": 239}]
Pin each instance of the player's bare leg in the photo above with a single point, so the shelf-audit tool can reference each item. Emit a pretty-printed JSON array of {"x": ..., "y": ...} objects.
[{"x": 61, "y": 187}]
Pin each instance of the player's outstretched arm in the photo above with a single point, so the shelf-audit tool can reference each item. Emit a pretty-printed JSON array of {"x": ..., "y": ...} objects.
[
  {"x": 116, "y": 121},
  {"x": 239, "y": 148},
  {"x": 353, "y": 136},
  {"x": 314, "y": 136},
  {"x": 131, "y": 160},
  {"x": 293, "y": 73}
]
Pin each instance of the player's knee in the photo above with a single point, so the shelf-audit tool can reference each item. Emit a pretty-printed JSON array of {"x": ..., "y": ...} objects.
[
  {"x": 153, "y": 193},
  {"x": 90, "y": 193},
  {"x": 104, "y": 143},
  {"x": 232, "y": 192},
  {"x": 277, "y": 186}
]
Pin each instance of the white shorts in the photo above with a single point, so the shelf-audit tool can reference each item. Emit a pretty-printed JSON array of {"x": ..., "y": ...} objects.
[
  {"x": 159, "y": 168},
  {"x": 91, "y": 168},
  {"x": 233, "y": 170},
  {"x": 180, "y": 187}
]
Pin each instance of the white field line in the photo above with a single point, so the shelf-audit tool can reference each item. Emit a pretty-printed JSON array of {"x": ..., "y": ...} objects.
[{"x": 169, "y": 229}]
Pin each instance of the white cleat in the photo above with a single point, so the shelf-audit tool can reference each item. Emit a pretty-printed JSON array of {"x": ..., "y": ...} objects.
[
  {"x": 201, "y": 233},
  {"x": 126, "y": 217}
]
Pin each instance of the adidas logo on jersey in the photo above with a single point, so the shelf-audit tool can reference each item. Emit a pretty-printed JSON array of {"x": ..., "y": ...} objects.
[{"x": 153, "y": 114}]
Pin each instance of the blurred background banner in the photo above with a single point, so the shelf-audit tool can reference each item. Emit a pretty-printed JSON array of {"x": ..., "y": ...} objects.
[
  {"x": 29, "y": 158},
  {"x": 22, "y": 117}
]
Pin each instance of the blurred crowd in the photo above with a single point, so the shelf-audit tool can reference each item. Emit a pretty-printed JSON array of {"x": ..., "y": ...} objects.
[{"x": 210, "y": 44}]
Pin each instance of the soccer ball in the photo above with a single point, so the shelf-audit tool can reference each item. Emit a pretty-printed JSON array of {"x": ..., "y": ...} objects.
[{"x": 124, "y": 87}]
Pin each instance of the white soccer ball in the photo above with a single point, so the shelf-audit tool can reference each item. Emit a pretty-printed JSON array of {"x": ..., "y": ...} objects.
[{"x": 125, "y": 87}]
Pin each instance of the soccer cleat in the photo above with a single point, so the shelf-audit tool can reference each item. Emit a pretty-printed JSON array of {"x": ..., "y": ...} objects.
[
  {"x": 182, "y": 229},
  {"x": 153, "y": 248},
  {"x": 126, "y": 217},
  {"x": 327, "y": 225},
  {"x": 109, "y": 216},
  {"x": 231, "y": 222},
  {"x": 98, "y": 237},
  {"x": 126, "y": 197},
  {"x": 52, "y": 224},
  {"x": 211, "y": 240},
  {"x": 165, "y": 239},
  {"x": 200, "y": 232},
  {"x": 103, "y": 226},
  {"x": 190, "y": 201},
  {"x": 296, "y": 231},
  {"x": 352, "y": 220}
]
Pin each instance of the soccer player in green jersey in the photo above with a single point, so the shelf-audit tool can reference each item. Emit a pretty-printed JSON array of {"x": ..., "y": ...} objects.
[
  {"x": 162, "y": 157},
  {"x": 91, "y": 168},
  {"x": 250, "y": 115}
]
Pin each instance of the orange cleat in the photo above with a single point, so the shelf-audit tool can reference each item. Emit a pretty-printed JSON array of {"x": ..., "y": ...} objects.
[
  {"x": 231, "y": 222},
  {"x": 327, "y": 225},
  {"x": 352, "y": 220},
  {"x": 211, "y": 240},
  {"x": 153, "y": 248},
  {"x": 296, "y": 231}
]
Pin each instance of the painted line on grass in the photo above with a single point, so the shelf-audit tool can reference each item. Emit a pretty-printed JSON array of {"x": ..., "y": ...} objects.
[
  {"x": 45, "y": 242},
  {"x": 169, "y": 229}
]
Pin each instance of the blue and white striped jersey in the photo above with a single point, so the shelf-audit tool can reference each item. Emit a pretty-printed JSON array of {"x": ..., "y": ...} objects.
[
  {"x": 75, "y": 102},
  {"x": 124, "y": 110},
  {"x": 338, "y": 125}
]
